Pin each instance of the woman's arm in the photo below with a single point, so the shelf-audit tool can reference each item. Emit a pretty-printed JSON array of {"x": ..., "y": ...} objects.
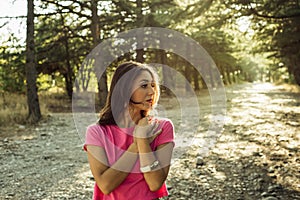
[
  {"x": 144, "y": 134},
  {"x": 157, "y": 176},
  {"x": 109, "y": 177}
]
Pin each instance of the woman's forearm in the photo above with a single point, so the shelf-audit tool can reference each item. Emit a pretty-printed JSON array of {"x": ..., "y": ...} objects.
[
  {"x": 114, "y": 175},
  {"x": 156, "y": 177}
]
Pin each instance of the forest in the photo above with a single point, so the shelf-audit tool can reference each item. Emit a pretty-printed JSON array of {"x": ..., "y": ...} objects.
[
  {"x": 248, "y": 40},
  {"x": 230, "y": 83}
]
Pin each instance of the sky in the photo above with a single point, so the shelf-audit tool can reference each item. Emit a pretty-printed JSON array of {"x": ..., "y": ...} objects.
[{"x": 12, "y": 8}]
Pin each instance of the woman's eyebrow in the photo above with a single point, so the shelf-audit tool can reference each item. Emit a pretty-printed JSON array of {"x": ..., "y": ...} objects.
[{"x": 145, "y": 80}]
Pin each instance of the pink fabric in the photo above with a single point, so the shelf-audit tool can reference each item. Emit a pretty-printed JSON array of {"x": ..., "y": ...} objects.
[{"x": 115, "y": 141}]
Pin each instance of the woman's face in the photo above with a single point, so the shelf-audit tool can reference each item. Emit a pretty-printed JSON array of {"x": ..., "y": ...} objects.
[{"x": 143, "y": 91}]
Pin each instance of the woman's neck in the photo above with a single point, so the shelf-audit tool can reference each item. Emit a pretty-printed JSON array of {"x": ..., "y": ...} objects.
[{"x": 129, "y": 119}]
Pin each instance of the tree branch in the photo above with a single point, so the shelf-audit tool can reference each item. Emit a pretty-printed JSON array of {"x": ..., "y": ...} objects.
[
  {"x": 255, "y": 12},
  {"x": 13, "y": 17},
  {"x": 69, "y": 10}
]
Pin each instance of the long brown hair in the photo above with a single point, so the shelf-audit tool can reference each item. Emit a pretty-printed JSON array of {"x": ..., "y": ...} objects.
[{"x": 120, "y": 91}]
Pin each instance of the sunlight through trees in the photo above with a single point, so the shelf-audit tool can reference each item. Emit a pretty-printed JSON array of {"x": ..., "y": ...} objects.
[{"x": 249, "y": 41}]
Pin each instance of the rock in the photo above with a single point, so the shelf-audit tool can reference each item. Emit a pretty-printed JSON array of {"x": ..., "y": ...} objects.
[
  {"x": 199, "y": 161},
  {"x": 54, "y": 167},
  {"x": 270, "y": 198},
  {"x": 196, "y": 172},
  {"x": 169, "y": 187},
  {"x": 271, "y": 170},
  {"x": 264, "y": 194},
  {"x": 273, "y": 188},
  {"x": 10, "y": 195},
  {"x": 187, "y": 194},
  {"x": 257, "y": 154},
  {"x": 21, "y": 127},
  {"x": 43, "y": 134}
]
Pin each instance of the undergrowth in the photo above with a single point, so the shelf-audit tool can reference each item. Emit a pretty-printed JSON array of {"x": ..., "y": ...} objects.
[{"x": 14, "y": 109}]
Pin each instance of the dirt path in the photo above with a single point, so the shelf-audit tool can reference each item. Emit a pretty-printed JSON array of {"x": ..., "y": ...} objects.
[{"x": 256, "y": 157}]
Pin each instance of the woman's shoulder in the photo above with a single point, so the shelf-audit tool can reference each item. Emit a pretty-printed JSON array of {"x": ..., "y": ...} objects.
[
  {"x": 163, "y": 120},
  {"x": 97, "y": 135},
  {"x": 98, "y": 128},
  {"x": 93, "y": 126}
]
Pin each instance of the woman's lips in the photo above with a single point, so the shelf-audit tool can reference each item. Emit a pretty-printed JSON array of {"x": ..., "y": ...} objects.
[{"x": 149, "y": 101}]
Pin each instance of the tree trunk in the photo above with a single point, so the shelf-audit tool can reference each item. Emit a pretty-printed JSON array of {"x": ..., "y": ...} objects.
[
  {"x": 196, "y": 79},
  {"x": 34, "y": 113},
  {"x": 188, "y": 78},
  {"x": 102, "y": 81},
  {"x": 228, "y": 76},
  {"x": 69, "y": 75},
  {"x": 69, "y": 84},
  {"x": 222, "y": 71},
  {"x": 188, "y": 70},
  {"x": 297, "y": 75},
  {"x": 167, "y": 75},
  {"x": 140, "y": 23}
]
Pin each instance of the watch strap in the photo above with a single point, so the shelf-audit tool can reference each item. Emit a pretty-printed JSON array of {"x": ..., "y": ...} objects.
[{"x": 149, "y": 168}]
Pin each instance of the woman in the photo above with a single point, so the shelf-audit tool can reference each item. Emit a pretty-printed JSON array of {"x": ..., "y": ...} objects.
[{"x": 129, "y": 152}]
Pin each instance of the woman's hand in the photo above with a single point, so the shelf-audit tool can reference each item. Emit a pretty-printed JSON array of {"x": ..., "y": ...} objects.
[{"x": 146, "y": 130}]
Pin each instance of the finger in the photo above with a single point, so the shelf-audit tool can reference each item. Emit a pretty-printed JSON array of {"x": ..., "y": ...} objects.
[
  {"x": 153, "y": 121},
  {"x": 152, "y": 128},
  {"x": 158, "y": 132},
  {"x": 150, "y": 118},
  {"x": 152, "y": 138},
  {"x": 156, "y": 125},
  {"x": 155, "y": 130}
]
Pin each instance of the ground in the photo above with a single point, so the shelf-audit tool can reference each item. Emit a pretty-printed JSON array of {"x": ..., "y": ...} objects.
[{"x": 256, "y": 155}]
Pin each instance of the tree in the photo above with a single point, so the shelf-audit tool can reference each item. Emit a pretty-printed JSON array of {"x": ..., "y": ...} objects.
[
  {"x": 34, "y": 113},
  {"x": 85, "y": 31},
  {"x": 60, "y": 46},
  {"x": 12, "y": 70},
  {"x": 207, "y": 23},
  {"x": 276, "y": 25},
  {"x": 102, "y": 81}
]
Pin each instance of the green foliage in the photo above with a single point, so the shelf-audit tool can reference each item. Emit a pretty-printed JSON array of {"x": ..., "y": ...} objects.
[
  {"x": 12, "y": 70},
  {"x": 63, "y": 38},
  {"x": 276, "y": 24}
]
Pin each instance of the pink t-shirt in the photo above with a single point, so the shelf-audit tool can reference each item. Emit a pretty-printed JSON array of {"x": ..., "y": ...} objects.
[{"x": 115, "y": 142}]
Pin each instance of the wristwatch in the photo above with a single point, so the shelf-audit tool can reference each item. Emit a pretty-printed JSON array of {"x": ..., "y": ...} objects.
[{"x": 149, "y": 168}]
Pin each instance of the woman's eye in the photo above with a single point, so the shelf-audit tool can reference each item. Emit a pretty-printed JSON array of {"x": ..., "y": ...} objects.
[
  {"x": 144, "y": 85},
  {"x": 153, "y": 85}
]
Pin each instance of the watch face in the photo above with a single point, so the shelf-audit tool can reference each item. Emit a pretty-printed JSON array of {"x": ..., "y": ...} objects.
[
  {"x": 148, "y": 168},
  {"x": 154, "y": 165}
]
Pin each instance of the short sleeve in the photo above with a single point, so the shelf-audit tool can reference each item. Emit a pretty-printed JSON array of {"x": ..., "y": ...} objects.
[
  {"x": 94, "y": 136},
  {"x": 167, "y": 134}
]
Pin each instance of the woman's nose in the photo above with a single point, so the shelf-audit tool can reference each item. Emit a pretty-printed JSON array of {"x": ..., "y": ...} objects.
[{"x": 151, "y": 90}]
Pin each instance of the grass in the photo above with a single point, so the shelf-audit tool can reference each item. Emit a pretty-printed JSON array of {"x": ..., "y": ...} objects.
[
  {"x": 291, "y": 87},
  {"x": 13, "y": 107}
]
